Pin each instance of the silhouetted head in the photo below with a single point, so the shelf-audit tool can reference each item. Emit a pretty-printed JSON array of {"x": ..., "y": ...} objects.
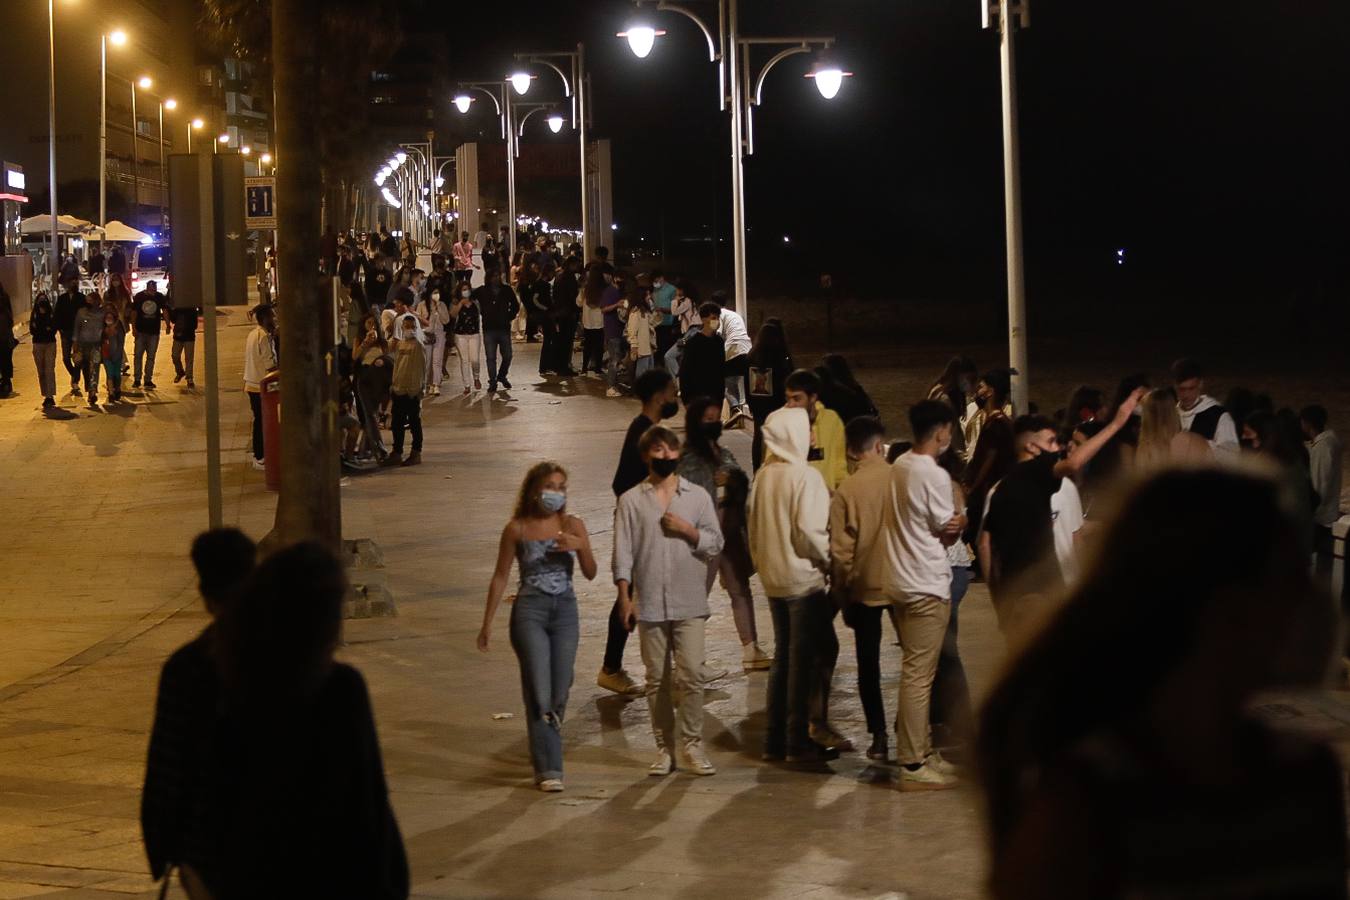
[{"x": 224, "y": 559}]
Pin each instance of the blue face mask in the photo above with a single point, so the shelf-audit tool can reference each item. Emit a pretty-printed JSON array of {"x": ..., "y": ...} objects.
[{"x": 552, "y": 501}]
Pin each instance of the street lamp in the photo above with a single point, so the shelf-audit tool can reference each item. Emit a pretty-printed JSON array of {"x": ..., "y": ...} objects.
[
  {"x": 521, "y": 82},
  {"x": 144, "y": 83},
  {"x": 577, "y": 88},
  {"x": 169, "y": 104},
  {"x": 221, "y": 139},
  {"x": 1012, "y": 14},
  {"x": 732, "y": 52},
  {"x": 118, "y": 38},
  {"x": 462, "y": 102},
  {"x": 194, "y": 125},
  {"x": 555, "y": 123},
  {"x": 500, "y": 94}
]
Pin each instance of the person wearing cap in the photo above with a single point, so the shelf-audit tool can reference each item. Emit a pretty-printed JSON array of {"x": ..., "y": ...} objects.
[{"x": 149, "y": 318}]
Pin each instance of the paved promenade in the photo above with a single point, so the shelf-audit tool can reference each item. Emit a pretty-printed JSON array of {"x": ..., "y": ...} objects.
[{"x": 98, "y": 511}]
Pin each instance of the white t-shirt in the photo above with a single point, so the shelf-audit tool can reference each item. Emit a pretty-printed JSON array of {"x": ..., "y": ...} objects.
[
  {"x": 1066, "y": 518},
  {"x": 732, "y": 329},
  {"x": 920, "y": 505}
]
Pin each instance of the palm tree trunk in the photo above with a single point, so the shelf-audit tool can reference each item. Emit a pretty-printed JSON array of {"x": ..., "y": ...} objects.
[{"x": 309, "y": 505}]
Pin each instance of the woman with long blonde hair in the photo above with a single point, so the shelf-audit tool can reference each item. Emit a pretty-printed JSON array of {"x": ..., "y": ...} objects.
[
  {"x": 1162, "y": 441},
  {"x": 547, "y": 543}
]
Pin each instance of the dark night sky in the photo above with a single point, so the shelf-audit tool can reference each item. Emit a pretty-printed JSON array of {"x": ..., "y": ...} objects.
[{"x": 1206, "y": 139}]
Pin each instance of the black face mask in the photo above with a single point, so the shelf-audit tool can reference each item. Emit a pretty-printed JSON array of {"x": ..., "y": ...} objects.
[
  {"x": 669, "y": 409},
  {"x": 712, "y": 430},
  {"x": 663, "y": 468}
]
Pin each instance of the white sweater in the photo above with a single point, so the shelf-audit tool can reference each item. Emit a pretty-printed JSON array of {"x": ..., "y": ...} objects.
[{"x": 789, "y": 511}]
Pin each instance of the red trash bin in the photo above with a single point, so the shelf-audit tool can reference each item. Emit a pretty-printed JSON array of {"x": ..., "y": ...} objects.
[{"x": 271, "y": 414}]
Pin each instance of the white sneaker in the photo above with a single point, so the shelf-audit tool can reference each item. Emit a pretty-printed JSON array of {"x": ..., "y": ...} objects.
[
  {"x": 663, "y": 765},
  {"x": 942, "y": 764},
  {"x": 695, "y": 761},
  {"x": 258, "y": 464},
  {"x": 619, "y": 682},
  {"x": 613, "y": 392},
  {"x": 551, "y": 786},
  {"x": 753, "y": 657},
  {"x": 925, "y": 778}
]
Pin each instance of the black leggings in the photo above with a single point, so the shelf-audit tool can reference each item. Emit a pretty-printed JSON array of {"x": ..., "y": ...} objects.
[
  {"x": 615, "y": 641},
  {"x": 407, "y": 414},
  {"x": 592, "y": 349},
  {"x": 255, "y": 402}
]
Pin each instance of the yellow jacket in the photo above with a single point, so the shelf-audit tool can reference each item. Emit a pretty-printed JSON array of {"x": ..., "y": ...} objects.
[{"x": 827, "y": 436}]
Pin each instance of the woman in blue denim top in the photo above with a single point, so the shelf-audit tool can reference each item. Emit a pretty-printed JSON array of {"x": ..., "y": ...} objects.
[{"x": 547, "y": 543}]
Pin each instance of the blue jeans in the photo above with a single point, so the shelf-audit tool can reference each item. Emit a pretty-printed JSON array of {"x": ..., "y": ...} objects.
[
  {"x": 675, "y": 352},
  {"x": 643, "y": 364},
  {"x": 144, "y": 348},
  {"x": 796, "y": 641},
  {"x": 614, "y": 350},
  {"x": 951, "y": 689},
  {"x": 544, "y": 634},
  {"x": 493, "y": 341}
]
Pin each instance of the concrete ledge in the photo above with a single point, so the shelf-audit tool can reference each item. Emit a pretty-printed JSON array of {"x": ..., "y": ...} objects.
[
  {"x": 362, "y": 553},
  {"x": 368, "y": 598}
]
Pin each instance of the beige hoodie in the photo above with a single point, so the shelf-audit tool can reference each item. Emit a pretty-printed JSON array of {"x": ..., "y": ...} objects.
[{"x": 789, "y": 511}]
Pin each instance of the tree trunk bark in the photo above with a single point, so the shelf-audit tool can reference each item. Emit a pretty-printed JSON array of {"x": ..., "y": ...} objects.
[{"x": 309, "y": 504}]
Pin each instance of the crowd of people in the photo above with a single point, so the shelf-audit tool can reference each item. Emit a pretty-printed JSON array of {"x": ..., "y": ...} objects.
[
  {"x": 92, "y": 328},
  {"x": 1130, "y": 542}
]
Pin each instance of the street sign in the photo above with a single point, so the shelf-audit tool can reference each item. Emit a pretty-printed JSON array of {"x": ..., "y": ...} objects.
[{"x": 260, "y": 202}]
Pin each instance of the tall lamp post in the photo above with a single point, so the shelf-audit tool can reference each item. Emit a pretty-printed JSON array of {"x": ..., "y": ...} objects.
[
  {"x": 1011, "y": 15},
  {"x": 575, "y": 89},
  {"x": 169, "y": 104},
  {"x": 500, "y": 94},
  {"x": 742, "y": 93},
  {"x": 145, "y": 84},
  {"x": 117, "y": 38},
  {"x": 54, "y": 258},
  {"x": 195, "y": 125}
]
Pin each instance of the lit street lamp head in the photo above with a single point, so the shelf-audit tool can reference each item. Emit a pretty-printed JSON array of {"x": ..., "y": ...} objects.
[
  {"x": 641, "y": 39},
  {"x": 265, "y": 159},
  {"x": 521, "y": 82},
  {"x": 145, "y": 82},
  {"x": 462, "y": 102},
  {"x": 555, "y": 123},
  {"x": 117, "y": 38},
  {"x": 198, "y": 124},
  {"x": 224, "y": 138},
  {"x": 829, "y": 78},
  {"x": 246, "y": 150},
  {"x": 401, "y": 157},
  {"x": 170, "y": 104}
]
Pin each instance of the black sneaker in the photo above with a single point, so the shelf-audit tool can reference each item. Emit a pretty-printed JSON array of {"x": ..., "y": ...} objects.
[
  {"x": 48, "y": 402},
  {"x": 880, "y": 750},
  {"x": 149, "y": 385},
  {"x": 178, "y": 377},
  {"x": 506, "y": 384},
  {"x": 812, "y": 755},
  {"x": 93, "y": 400},
  {"x": 75, "y": 390},
  {"x": 136, "y": 385}
]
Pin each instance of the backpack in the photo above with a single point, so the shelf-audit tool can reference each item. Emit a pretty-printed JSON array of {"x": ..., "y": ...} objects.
[{"x": 410, "y": 369}]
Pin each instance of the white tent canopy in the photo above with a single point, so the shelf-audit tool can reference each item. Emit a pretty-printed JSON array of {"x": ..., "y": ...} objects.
[
  {"x": 118, "y": 231},
  {"x": 64, "y": 224}
]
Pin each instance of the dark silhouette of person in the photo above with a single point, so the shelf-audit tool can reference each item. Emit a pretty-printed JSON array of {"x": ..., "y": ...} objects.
[
  {"x": 1118, "y": 754},
  {"x": 299, "y": 805},
  {"x": 173, "y": 802}
]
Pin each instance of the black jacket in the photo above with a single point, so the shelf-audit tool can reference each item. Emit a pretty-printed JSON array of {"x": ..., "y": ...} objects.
[
  {"x": 67, "y": 305},
  {"x": 498, "y": 308}
]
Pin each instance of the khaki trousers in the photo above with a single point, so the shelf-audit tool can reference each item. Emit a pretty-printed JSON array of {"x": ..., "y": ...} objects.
[
  {"x": 923, "y": 625},
  {"x": 675, "y": 649}
]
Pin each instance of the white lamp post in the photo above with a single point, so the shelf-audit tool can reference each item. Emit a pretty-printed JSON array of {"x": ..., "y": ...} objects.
[
  {"x": 1012, "y": 14},
  {"x": 169, "y": 104},
  {"x": 577, "y": 88},
  {"x": 732, "y": 54},
  {"x": 144, "y": 83},
  {"x": 117, "y": 38}
]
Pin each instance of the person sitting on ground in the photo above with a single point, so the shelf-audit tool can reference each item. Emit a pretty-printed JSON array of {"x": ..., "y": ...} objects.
[
  {"x": 1112, "y": 773},
  {"x": 174, "y": 801}
]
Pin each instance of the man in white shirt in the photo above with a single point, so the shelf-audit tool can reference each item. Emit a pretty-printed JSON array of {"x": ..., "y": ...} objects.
[
  {"x": 1325, "y": 453},
  {"x": 1201, "y": 413},
  {"x": 921, "y": 521},
  {"x": 737, "y": 341}
]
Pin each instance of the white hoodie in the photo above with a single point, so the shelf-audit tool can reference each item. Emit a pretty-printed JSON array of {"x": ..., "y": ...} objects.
[{"x": 789, "y": 511}]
